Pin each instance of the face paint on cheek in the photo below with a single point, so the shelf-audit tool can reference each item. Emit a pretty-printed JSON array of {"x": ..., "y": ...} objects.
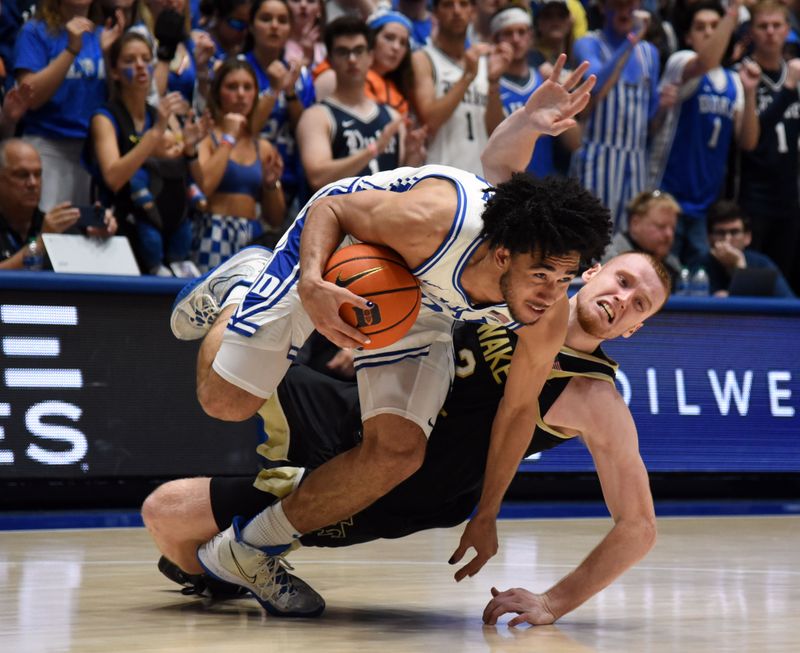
[
  {"x": 128, "y": 73},
  {"x": 150, "y": 70}
]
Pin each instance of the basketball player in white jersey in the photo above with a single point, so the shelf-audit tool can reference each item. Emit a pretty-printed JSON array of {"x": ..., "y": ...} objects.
[
  {"x": 452, "y": 86},
  {"x": 500, "y": 255}
]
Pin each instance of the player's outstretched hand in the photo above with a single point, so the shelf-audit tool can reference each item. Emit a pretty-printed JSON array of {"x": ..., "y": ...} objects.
[
  {"x": 481, "y": 535},
  {"x": 322, "y": 301},
  {"x": 553, "y": 106},
  {"x": 531, "y": 608}
]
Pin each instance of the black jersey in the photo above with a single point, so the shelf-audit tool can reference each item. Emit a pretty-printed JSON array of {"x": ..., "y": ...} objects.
[
  {"x": 768, "y": 175},
  {"x": 311, "y": 418},
  {"x": 351, "y": 134}
]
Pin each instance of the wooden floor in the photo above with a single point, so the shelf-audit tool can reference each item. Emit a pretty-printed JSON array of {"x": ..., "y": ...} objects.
[{"x": 713, "y": 584}]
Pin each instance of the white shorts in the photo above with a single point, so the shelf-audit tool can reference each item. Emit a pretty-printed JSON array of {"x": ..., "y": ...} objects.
[
  {"x": 258, "y": 363},
  {"x": 410, "y": 378}
]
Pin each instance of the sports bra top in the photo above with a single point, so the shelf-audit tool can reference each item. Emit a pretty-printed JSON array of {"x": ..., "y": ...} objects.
[{"x": 241, "y": 178}]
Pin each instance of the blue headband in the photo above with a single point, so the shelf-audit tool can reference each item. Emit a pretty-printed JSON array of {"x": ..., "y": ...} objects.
[{"x": 384, "y": 18}]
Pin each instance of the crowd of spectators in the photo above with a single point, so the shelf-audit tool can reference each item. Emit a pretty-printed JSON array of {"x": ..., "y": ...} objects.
[{"x": 200, "y": 126}]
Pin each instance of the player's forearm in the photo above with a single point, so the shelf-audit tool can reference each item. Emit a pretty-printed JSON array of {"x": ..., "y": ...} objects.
[
  {"x": 509, "y": 148},
  {"x": 511, "y": 434},
  {"x": 626, "y": 544},
  {"x": 321, "y": 234}
]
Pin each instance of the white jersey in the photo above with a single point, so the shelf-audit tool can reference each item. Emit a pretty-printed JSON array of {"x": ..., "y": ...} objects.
[
  {"x": 409, "y": 378},
  {"x": 460, "y": 140},
  {"x": 439, "y": 276}
]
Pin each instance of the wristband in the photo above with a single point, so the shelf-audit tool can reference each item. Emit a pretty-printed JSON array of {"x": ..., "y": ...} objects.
[
  {"x": 229, "y": 139},
  {"x": 275, "y": 186},
  {"x": 372, "y": 149},
  {"x": 290, "y": 98},
  {"x": 72, "y": 52}
]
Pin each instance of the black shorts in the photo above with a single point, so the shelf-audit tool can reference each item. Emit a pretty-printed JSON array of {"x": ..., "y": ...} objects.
[
  {"x": 395, "y": 515},
  {"x": 322, "y": 415},
  {"x": 323, "y": 418}
]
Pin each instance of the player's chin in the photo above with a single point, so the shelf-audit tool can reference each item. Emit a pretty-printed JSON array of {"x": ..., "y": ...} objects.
[{"x": 531, "y": 313}]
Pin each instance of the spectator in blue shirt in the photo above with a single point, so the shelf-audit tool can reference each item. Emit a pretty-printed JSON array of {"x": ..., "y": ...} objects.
[
  {"x": 729, "y": 237},
  {"x": 612, "y": 159},
  {"x": 60, "y": 55}
]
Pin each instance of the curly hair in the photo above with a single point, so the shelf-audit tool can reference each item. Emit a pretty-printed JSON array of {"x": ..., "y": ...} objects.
[{"x": 552, "y": 216}]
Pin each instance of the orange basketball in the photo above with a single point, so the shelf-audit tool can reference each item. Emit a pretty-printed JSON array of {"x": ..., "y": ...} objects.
[{"x": 380, "y": 275}]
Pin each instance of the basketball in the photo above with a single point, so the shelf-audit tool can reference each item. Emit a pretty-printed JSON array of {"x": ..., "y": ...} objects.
[{"x": 380, "y": 275}]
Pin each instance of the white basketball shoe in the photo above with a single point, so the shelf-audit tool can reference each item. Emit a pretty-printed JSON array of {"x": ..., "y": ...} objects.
[
  {"x": 199, "y": 303},
  {"x": 262, "y": 571}
]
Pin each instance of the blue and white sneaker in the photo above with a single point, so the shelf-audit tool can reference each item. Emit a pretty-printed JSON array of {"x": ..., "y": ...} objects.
[
  {"x": 262, "y": 571},
  {"x": 198, "y": 303}
]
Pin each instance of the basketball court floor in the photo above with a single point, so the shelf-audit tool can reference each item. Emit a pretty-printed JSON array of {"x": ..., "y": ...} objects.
[{"x": 711, "y": 584}]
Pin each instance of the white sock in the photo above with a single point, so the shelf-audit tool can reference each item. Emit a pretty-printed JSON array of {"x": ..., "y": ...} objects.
[{"x": 270, "y": 528}]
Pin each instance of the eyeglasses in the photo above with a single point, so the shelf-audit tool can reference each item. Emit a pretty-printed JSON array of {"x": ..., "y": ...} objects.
[
  {"x": 236, "y": 24},
  {"x": 722, "y": 233},
  {"x": 346, "y": 53}
]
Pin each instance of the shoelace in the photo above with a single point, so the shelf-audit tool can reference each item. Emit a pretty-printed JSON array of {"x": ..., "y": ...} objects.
[
  {"x": 205, "y": 308},
  {"x": 275, "y": 566}
]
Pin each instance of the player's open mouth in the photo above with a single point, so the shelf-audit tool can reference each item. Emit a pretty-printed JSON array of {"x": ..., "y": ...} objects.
[
  {"x": 538, "y": 308},
  {"x": 608, "y": 310}
]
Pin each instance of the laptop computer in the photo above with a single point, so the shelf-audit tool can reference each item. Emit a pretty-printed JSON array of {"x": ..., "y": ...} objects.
[
  {"x": 753, "y": 282},
  {"x": 76, "y": 254}
]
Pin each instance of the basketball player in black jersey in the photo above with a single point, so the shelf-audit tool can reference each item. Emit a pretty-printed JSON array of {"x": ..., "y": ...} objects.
[{"x": 579, "y": 399}]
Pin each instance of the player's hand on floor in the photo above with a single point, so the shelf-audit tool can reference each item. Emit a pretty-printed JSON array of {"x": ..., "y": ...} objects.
[
  {"x": 322, "y": 300},
  {"x": 480, "y": 534},
  {"x": 531, "y": 608}
]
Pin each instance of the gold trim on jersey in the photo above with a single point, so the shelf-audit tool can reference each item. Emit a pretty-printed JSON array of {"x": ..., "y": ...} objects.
[
  {"x": 275, "y": 428},
  {"x": 549, "y": 429},
  {"x": 279, "y": 481},
  {"x": 607, "y": 362},
  {"x": 496, "y": 349},
  {"x": 559, "y": 373}
]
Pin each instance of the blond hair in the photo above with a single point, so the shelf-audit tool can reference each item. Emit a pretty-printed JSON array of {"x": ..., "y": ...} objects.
[
  {"x": 769, "y": 7},
  {"x": 645, "y": 201}
]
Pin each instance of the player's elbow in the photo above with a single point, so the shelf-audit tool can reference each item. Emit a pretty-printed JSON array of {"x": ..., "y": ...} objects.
[{"x": 647, "y": 532}]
